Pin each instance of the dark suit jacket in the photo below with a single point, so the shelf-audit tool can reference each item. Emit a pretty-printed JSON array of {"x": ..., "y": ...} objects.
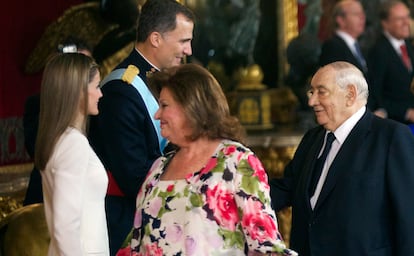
[
  {"x": 34, "y": 192},
  {"x": 125, "y": 140},
  {"x": 335, "y": 49},
  {"x": 389, "y": 80},
  {"x": 365, "y": 206}
]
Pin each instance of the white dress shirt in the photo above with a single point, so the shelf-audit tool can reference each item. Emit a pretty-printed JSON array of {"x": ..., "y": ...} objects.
[
  {"x": 349, "y": 40},
  {"x": 396, "y": 43},
  {"x": 341, "y": 133}
]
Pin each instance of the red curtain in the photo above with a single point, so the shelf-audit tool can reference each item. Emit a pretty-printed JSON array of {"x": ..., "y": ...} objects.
[
  {"x": 324, "y": 24},
  {"x": 23, "y": 23}
]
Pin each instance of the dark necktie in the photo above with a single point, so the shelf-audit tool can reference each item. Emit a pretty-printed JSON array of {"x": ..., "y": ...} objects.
[
  {"x": 359, "y": 56},
  {"x": 404, "y": 56},
  {"x": 320, "y": 162}
]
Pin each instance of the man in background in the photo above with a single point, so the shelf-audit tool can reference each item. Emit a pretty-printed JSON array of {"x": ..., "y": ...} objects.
[
  {"x": 390, "y": 65},
  {"x": 349, "y": 20}
]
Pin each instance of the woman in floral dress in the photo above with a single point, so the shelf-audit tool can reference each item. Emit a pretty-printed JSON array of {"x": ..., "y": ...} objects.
[{"x": 210, "y": 196}]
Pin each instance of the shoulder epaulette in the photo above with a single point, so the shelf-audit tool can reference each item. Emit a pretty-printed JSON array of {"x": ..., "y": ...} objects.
[{"x": 130, "y": 73}]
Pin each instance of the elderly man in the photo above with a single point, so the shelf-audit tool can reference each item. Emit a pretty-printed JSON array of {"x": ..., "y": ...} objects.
[{"x": 352, "y": 177}]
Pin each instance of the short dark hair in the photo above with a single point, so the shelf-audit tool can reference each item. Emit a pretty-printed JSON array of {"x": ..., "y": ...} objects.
[{"x": 160, "y": 16}]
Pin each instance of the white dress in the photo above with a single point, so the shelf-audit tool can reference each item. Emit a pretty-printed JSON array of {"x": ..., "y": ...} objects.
[{"x": 74, "y": 187}]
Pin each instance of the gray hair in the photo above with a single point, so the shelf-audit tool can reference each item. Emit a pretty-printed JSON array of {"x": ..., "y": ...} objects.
[{"x": 347, "y": 74}]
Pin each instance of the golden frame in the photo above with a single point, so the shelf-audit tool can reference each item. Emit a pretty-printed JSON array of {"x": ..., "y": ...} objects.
[
  {"x": 287, "y": 23},
  {"x": 13, "y": 184}
]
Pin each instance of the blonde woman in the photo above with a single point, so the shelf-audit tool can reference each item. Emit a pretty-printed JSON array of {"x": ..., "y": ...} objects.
[{"x": 74, "y": 180}]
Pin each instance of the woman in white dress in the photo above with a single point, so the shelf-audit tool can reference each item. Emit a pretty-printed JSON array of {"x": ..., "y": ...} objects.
[{"x": 74, "y": 180}]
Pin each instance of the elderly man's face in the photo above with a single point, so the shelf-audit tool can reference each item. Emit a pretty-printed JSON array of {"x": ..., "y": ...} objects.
[{"x": 327, "y": 99}]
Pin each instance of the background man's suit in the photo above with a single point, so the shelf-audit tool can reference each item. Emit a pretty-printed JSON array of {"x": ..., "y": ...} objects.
[
  {"x": 389, "y": 80},
  {"x": 34, "y": 192},
  {"x": 335, "y": 49},
  {"x": 365, "y": 206}
]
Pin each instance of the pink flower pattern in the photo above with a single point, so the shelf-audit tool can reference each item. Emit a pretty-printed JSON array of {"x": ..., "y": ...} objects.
[
  {"x": 259, "y": 170},
  {"x": 224, "y": 207},
  {"x": 209, "y": 212},
  {"x": 259, "y": 225}
]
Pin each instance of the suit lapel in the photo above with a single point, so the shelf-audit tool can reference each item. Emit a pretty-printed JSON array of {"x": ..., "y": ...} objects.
[
  {"x": 350, "y": 55},
  {"x": 311, "y": 159},
  {"x": 410, "y": 53},
  {"x": 342, "y": 164},
  {"x": 395, "y": 56}
]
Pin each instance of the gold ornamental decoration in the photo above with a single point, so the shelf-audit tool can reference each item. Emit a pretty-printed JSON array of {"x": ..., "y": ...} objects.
[{"x": 251, "y": 102}]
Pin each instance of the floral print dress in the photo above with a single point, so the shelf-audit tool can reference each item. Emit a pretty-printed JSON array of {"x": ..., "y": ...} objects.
[{"x": 222, "y": 209}]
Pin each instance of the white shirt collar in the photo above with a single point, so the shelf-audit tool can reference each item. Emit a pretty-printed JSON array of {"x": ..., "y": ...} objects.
[
  {"x": 396, "y": 43},
  {"x": 344, "y": 129},
  {"x": 349, "y": 40},
  {"x": 146, "y": 59}
]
